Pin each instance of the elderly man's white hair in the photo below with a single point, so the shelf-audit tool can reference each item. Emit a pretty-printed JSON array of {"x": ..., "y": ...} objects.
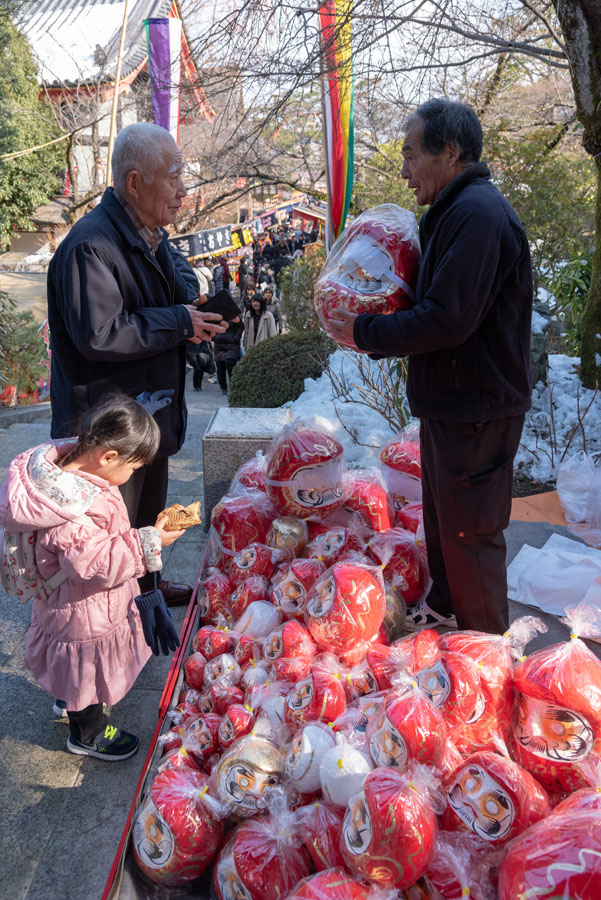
[{"x": 140, "y": 147}]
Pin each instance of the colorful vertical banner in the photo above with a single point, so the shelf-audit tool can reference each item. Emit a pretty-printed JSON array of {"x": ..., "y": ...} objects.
[
  {"x": 164, "y": 40},
  {"x": 338, "y": 109}
]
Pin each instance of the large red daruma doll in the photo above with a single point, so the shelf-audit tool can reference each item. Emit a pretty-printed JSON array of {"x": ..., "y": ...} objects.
[
  {"x": 559, "y": 857},
  {"x": 258, "y": 864},
  {"x": 493, "y": 798},
  {"x": 389, "y": 830},
  {"x": 557, "y": 730},
  {"x": 405, "y": 562},
  {"x": 175, "y": 836},
  {"x": 304, "y": 472},
  {"x": 346, "y": 608},
  {"x": 372, "y": 267}
]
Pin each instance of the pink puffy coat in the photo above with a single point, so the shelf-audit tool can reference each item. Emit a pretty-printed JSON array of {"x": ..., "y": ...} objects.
[{"x": 85, "y": 643}]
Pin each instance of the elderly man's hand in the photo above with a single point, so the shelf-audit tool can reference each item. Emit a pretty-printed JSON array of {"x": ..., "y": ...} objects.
[
  {"x": 341, "y": 324},
  {"x": 206, "y": 325}
]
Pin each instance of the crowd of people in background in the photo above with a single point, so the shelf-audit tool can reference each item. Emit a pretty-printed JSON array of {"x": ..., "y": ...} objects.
[{"x": 255, "y": 284}]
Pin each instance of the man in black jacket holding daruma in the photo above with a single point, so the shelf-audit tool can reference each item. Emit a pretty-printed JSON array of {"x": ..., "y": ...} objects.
[{"x": 468, "y": 342}]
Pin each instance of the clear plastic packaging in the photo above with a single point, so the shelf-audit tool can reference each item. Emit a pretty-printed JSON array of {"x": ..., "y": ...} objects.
[
  {"x": 493, "y": 798},
  {"x": 342, "y": 770},
  {"x": 178, "y": 828},
  {"x": 332, "y": 545},
  {"x": 253, "y": 588},
  {"x": 290, "y": 534},
  {"x": 372, "y": 267},
  {"x": 346, "y": 608},
  {"x": 404, "y": 561},
  {"x": 309, "y": 744},
  {"x": 321, "y": 825},
  {"x": 245, "y": 774},
  {"x": 401, "y": 467},
  {"x": 460, "y": 868},
  {"x": 250, "y": 475},
  {"x": 557, "y": 733},
  {"x": 319, "y": 697},
  {"x": 240, "y": 519},
  {"x": 366, "y": 493},
  {"x": 289, "y": 651},
  {"x": 255, "y": 559},
  {"x": 291, "y": 585},
  {"x": 214, "y": 597},
  {"x": 305, "y": 465}
]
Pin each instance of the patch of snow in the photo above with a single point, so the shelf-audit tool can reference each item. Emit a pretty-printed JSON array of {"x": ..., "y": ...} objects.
[
  {"x": 539, "y": 322},
  {"x": 551, "y": 426}
]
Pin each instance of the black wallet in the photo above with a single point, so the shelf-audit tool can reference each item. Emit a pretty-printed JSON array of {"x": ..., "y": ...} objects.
[{"x": 223, "y": 303}]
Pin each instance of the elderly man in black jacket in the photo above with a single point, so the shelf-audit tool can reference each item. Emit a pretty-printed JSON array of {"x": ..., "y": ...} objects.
[
  {"x": 119, "y": 315},
  {"x": 468, "y": 342}
]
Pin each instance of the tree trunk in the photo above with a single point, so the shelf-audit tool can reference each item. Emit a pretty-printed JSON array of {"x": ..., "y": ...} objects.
[{"x": 581, "y": 26}]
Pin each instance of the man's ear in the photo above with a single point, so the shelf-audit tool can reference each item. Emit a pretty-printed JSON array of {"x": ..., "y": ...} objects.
[
  {"x": 454, "y": 153},
  {"x": 133, "y": 183}
]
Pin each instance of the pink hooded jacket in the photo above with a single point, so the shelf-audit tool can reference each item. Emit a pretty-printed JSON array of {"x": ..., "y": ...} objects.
[{"x": 85, "y": 643}]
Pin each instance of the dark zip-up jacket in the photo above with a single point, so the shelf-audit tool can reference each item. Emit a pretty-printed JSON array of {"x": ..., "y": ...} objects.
[
  {"x": 116, "y": 321},
  {"x": 468, "y": 334}
]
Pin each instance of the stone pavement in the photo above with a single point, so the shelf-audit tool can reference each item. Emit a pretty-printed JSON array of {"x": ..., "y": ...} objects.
[{"x": 63, "y": 814}]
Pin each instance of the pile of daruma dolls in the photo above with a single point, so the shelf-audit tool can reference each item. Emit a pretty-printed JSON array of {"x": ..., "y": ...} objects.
[{"x": 316, "y": 754}]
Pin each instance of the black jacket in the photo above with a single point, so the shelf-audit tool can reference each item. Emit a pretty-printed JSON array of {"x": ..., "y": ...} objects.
[
  {"x": 227, "y": 345},
  {"x": 116, "y": 321},
  {"x": 468, "y": 334}
]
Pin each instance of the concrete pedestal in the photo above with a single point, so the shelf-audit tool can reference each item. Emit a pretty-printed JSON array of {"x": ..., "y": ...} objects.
[{"x": 232, "y": 437}]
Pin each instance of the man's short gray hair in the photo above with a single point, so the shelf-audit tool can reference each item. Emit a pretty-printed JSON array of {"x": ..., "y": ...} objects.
[
  {"x": 447, "y": 121},
  {"x": 140, "y": 147}
]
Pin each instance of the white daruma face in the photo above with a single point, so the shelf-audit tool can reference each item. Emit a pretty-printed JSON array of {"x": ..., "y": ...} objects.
[
  {"x": 357, "y": 827},
  {"x": 481, "y": 803},
  {"x": 552, "y": 732}
]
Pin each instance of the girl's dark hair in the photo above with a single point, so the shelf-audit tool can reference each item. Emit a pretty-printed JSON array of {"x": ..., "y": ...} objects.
[
  {"x": 118, "y": 423},
  {"x": 262, "y": 303}
]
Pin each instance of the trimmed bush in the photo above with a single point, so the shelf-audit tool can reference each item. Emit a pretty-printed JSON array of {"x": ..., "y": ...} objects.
[
  {"x": 274, "y": 371},
  {"x": 297, "y": 283}
]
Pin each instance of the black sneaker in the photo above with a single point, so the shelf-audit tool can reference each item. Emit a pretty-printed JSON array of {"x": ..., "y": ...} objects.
[
  {"x": 111, "y": 744},
  {"x": 59, "y": 708}
]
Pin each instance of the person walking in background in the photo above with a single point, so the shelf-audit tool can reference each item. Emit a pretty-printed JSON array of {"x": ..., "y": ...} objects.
[
  {"x": 221, "y": 275},
  {"x": 259, "y": 324},
  {"x": 205, "y": 279},
  {"x": 200, "y": 358},
  {"x": 249, "y": 294},
  {"x": 120, "y": 315},
  {"x": 272, "y": 305},
  {"x": 226, "y": 350},
  {"x": 92, "y": 634},
  {"x": 243, "y": 274}
]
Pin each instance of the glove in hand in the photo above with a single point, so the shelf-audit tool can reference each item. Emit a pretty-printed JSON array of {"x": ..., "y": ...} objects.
[
  {"x": 155, "y": 401},
  {"x": 157, "y": 623}
]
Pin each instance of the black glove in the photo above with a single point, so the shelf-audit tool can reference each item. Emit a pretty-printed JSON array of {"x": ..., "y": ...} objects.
[{"x": 157, "y": 623}]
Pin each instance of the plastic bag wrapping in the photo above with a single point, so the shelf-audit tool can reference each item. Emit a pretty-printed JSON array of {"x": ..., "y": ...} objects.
[
  {"x": 223, "y": 669},
  {"x": 211, "y": 640},
  {"x": 258, "y": 619},
  {"x": 460, "y": 868},
  {"x": 331, "y": 545},
  {"x": 407, "y": 727},
  {"x": 237, "y": 721},
  {"x": 289, "y": 650},
  {"x": 558, "y": 726},
  {"x": 240, "y": 519},
  {"x": 194, "y": 670},
  {"x": 401, "y": 468},
  {"x": 372, "y": 267},
  {"x": 579, "y": 491},
  {"x": 493, "y": 798},
  {"x": 334, "y": 884},
  {"x": 254, "y": 559},
  {"x": 250, "y": 475},
  {"x": 342, "y": 770},
  {"x": 321, "y": 825},
  {"x": 390, "y": 827},
  {"x": 218, "y": 697},
  {"x": 305, "y": 465},
  {"x": 200, "y": 736},
  {"x": 264, "y": 858},
  {"x": 366, "y": 493},
  {"x": 291, "y": 585},
  {"x": 320, "y": 697},
  {"x": 254, "y": 587},
  {"x": 254, "y": 673},
  {"x": 559, "y": 858},
  {"x": 214, "y": 596},
  {"x": 304, "y": 755},
  {"x": 289, "y": 534},
  {"x": 270, "y": 698},
  {"x": 346, "y": 608},
  {"x": 246, "y": 772},
  {"x": 178, "y": 828},
  {"x": 396, "y": 613},
  {"x": 354, "y": 722},
  {"x": 405, "y": 563}
]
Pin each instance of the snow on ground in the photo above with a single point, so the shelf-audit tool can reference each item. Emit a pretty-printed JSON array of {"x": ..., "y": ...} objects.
[{"x": 551, "y": 426}]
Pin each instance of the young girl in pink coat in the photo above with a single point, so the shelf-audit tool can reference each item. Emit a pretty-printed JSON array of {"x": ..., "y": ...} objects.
[{"x": 86, "y": 643}]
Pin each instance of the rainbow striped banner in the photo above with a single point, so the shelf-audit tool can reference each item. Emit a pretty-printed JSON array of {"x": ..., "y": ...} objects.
[
  {"x": 338, "y": 111},
  {"x": 164, "y": 40}
]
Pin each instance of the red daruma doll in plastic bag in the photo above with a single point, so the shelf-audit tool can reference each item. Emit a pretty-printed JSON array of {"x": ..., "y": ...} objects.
[
  {"x": 304, "y": 471},
  {"x": 177, "y": 831},
  {"x": 389, "y": 828},
  {"x": 401, "y": 467},
  {"x": 372, "y": 267},
  {"x": 557, "y": 731}
]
